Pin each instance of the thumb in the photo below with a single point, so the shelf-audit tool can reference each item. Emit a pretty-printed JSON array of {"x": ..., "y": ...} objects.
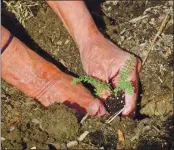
[{"x": 96, "y": 108}]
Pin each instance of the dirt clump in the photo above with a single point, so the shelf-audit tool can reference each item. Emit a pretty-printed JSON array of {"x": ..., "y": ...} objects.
[
  {"x": 60, "y": 123},
  {"x": 130, "y": 25}
]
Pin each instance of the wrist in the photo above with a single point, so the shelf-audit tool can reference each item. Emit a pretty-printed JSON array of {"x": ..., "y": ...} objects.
[
  {"x": 50, "y": 91},
  {"x": 90, "y": 39}
]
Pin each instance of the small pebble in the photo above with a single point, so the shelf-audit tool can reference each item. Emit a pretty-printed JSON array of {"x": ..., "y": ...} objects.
[
  {"x": 35, "y": 121},
  {"x": 82, "y": 136},
  {"x": 72, "y": 144},
  {"x": 12, "y": 128},
  {"x": 59, "y": 42},
  {"x": 66, "y": 42},
  {"x": 2, "y": 139},
  {"x": 109, "y": 8},
  {"x": 33, "y": 147}
]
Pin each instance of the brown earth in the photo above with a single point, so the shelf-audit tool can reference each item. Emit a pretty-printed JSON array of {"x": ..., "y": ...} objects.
[{"x": 25, "y": 122}]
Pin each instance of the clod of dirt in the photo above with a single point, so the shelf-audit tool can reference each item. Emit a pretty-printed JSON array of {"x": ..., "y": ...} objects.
[
  {"x": 104, "y": 139},
  {"x": 60, "y": 122},
  {"x": 114, "y": 104},
  {"x": 111, "y": 142},
  {"x": 97, "y": 138}
]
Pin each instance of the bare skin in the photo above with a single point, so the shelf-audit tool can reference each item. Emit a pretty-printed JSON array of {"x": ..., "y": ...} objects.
[
  {"x": 100, "y": 57},
  {"x": 36, "y": 77}
]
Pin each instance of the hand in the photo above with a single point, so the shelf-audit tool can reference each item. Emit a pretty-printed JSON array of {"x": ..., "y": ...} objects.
[
  {"x": 42, "y": 80},
  {"x": 74, "y": 96},
  {"x": 103, "y": 60}
]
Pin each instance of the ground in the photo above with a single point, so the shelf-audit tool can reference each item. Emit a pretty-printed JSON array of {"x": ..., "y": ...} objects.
[{"x": 131, "y": 25}]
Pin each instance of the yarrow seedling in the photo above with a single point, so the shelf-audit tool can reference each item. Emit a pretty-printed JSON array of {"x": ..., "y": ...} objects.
[
  {"x": 99, "y": 85},
  {"x": 123, "y": 83}
]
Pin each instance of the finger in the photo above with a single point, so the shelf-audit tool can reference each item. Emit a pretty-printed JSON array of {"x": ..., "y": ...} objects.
[
  {"x": 96, "y": 108},
  {"x": 139, "y": 64},
  {"x": 130, "y": 104}
]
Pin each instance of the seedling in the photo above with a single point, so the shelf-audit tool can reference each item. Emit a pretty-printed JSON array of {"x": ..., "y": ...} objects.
[
  {"x": 99, "y": 85},
  {"x": 116, "y": 101},
  {"x": 123, "y": 84}
]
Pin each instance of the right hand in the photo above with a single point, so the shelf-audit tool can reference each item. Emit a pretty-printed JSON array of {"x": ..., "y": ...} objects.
[{"x": 75, "y": 96}]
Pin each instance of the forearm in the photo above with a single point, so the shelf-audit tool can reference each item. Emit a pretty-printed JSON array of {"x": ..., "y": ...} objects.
[
  {"x": 25, "y": 70},
  {"x": 77, "y": 20}
]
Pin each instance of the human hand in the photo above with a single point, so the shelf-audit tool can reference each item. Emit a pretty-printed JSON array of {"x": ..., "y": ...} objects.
[
  {"x": 42, "y": 80},
  {"x": 103, "y": 60},
  {"x": 74, "y": 96}
]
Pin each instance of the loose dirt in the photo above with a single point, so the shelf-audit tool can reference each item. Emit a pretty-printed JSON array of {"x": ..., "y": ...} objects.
[{"x": 130, "y": 25}]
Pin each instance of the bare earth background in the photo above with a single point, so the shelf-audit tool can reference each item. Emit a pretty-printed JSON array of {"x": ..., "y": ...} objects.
[{"x": 131, "y": 25}]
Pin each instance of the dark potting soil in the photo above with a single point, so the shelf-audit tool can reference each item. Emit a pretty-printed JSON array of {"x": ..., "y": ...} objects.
[{"x": 115, "y": 103}]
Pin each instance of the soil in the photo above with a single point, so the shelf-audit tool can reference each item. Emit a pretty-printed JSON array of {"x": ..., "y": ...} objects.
[
  {"x": 58, "y": 126},
  {"x": 26, "y": 124},
  {"x": 115, "y": 103}
]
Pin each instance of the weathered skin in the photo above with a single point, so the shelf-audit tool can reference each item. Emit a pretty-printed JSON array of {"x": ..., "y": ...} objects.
[
  {"x": 100, "y": 57},
  {"x": 36, "y": 77}
]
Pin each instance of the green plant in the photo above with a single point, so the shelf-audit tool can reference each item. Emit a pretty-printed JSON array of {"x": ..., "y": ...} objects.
[
  {"x": 99, "y": 85},
  {"x": 123, "y": 83}
]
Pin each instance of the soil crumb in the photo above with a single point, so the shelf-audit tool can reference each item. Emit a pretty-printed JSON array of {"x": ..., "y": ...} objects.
[{"x": 60, "y": 122}]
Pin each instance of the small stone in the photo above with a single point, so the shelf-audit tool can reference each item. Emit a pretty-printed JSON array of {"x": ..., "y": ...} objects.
[
  {"x": 12, "y": 128},
  {"x": 59, "y": 42},
  {"x": 2, "y": 139},
  {"x": 67, "y": 41},
  {"x": 72, "y": 144},
  {"x": 120, "y": 135},
  {"x": 82, "y": 136},
  {"x": 35, "y": 121},
  {"x": 109, "y": 8},
  {"x": 33, "y": 147}
]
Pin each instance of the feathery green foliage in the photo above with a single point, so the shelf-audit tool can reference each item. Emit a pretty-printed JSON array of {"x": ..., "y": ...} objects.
[
  {"x": 123, "y": 83},
  {"x": 99, "y": 85}
]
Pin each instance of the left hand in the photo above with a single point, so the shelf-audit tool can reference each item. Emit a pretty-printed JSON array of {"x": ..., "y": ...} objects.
[{"x": 103, "y": 60}]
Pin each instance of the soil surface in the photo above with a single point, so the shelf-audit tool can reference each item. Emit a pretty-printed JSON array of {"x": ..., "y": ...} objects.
[{"x": 131, "y": 25}]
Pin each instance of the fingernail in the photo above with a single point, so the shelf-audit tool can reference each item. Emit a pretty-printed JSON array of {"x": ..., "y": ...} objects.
[{"x": 93, "y": 109}]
